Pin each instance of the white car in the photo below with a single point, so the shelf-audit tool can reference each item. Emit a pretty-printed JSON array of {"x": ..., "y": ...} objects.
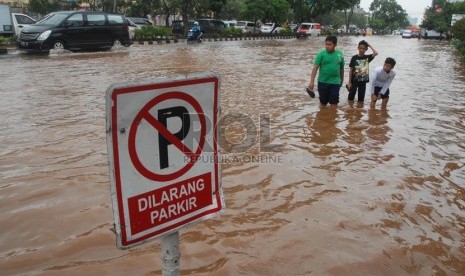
[
  {"x": 132, "y": 28},
  {"x": 248, "y": 27},
  {"x": 407, "y": 34},
  {"x": 267, "y": 28}
]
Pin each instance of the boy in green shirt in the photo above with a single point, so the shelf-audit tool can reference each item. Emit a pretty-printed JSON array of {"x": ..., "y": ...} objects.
[{"x": 331, "y": 64}]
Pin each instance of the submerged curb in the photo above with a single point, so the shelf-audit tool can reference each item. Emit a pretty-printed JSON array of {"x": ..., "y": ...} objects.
[
  {"x": 5, "y": 50},
  {"x": 183, "y": 40}
]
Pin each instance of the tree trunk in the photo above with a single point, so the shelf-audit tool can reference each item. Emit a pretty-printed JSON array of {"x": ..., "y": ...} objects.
[
  {"x": 185, "y": 12},
  {"x": 167, "y": 19}
]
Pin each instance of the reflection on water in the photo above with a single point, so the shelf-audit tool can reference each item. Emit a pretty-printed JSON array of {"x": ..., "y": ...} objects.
[{"x": 356, "y": 191}]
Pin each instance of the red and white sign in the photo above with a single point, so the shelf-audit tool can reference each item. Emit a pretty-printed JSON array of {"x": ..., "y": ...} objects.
[{"x": 162, "y": 139}]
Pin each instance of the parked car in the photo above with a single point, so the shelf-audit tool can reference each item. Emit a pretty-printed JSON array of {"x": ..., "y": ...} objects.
[
  {"x": 75, "y": 30},
  {"x": 211, "y": 25},
  {"x": 230, "y": 23},
  {"x": 178, "y": 26},
  {"x": 132, "y": 27},
  {"x": 248, "y": 27},
  {"x": 293, "y": 27},
  {"x": 308, "y": 29},
  {"x": 267, "y": 28},
  {"x": 140, "y": 21},
  {"x": 407, "y": 34},
  {"x": 13, "y": 23}
]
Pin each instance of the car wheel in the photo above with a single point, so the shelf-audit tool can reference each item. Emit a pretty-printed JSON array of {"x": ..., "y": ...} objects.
[
  {"x": 117, "y": 43},
  {"x": 58, "y": 45}
]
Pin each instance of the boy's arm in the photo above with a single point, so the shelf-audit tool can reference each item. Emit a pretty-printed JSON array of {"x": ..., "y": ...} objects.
[
  {"x": 351, "y": 72},
  {"x": 375, "y": 53},
  {"x": 311, "y": 85},
  {"x": 373, "y": 77},
  {"x": 342, "y": 75}
]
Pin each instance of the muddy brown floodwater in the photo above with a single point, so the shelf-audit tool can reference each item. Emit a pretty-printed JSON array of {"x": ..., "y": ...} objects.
[{"x": 351, "y": 191}]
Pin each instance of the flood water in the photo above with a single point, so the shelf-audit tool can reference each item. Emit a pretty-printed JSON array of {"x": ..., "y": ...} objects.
[{"x": 348, "y": 191}]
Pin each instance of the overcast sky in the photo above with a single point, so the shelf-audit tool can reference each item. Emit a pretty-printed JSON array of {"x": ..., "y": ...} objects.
[{"x": 414, "y": 8}]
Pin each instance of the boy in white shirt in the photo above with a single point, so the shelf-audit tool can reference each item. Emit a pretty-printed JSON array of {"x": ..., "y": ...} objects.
[{"x": 380, "y": 81}]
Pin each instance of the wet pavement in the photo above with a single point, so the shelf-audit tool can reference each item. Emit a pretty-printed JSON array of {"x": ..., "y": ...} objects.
[{"x": 345, "y": 191}]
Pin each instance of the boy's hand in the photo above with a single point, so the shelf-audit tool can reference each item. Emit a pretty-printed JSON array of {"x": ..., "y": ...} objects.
[
  {"x": 311, "y": 86},
  {"x": 349, "y": 86}
]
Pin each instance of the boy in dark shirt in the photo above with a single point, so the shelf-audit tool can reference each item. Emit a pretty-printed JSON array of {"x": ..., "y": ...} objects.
[{"x": 359, "y": 71}]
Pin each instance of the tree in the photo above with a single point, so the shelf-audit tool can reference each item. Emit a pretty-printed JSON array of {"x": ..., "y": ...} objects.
[
  {"x": 276, "y": 12},
  {"x": 140, "y": 8},
  {"x": 388, "y": 14},
  {"x": 458, "y": 30},
  {"x": 254, "y": 9},
  {"x": 168, "y": 8},
  {"x": 216, "y": 6},
  {"x": 348, "y": 7},
  {"x": 233, "y": 9},
  {"x": 45, "y": 6}
]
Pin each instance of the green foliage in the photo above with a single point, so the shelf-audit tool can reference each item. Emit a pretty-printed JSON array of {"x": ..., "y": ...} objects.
[
  {"x": 276, "y": 11},
  {"x": 147, "y": 32},
  {"x": 216, "y": 6},
  {"x": 232, "y": 32},
  {"x": 4, "y": 40},
  {"x": 459, "y": 45},
  {"x": 458, "y": 30},
  {"x": 387, "y": 14},
  {"x": 233, "y": 9},
  {"x": 286, "y": 32},
  {"x": 254, "y": 10},
  {"x": 47, "y": 6}
]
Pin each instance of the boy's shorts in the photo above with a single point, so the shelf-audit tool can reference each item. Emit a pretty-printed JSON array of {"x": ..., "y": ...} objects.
[
  {"x": 378, "y": 89},
  {"x": 329, "y": 93}
]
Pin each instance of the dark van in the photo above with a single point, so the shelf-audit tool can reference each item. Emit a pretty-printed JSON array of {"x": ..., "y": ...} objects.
[
  {"x": 211, "y": 25},
  {"x": 75, "y": 30}
]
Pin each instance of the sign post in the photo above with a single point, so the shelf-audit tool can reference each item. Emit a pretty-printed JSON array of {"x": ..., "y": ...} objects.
[
  {"x": 171, "y": 257},
  {"x": 162, "y": 139}
]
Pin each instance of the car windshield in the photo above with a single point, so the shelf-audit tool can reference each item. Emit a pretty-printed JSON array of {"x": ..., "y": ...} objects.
[
  {"x": 305, "y": 27},
  {"x": 52, "y": 19},
  {"x": 241, "y": 23}
]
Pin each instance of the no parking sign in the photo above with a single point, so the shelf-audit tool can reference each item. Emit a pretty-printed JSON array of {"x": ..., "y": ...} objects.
[{"x": 162, "y": 139}]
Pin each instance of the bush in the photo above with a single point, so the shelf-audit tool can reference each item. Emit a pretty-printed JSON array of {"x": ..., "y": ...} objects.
[
  {"x": 232, "y": 32},
  {"x": 286, "y": 32},
  {"x": 458, "y": 30},
  {"x": 459, "y": 45},
  {"x": 7, "y": 40},
  {"x": 151, "y": 32}
]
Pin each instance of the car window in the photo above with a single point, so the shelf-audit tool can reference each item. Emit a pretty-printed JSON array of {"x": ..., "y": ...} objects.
[
  {"x": 218, "y": 24},
  {"x": 115, "y": 19},
  {"x": 75, "y": 20},
  {"x": 250, "y": 24},
  {"x": 203, "y": 23},
  {"x": 21, "y": 19},
  {"x": 96, "y": 19},
  {"x": 52, "y": 19}
]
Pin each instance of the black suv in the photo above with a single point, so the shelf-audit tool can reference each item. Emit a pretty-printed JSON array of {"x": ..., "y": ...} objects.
[
  {"x": 211, "y": 25},
  {"x": 75, "y": 30}
]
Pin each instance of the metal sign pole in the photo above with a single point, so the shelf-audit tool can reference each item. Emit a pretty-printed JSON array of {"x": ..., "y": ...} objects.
[{"x": 171, "y": 256}]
